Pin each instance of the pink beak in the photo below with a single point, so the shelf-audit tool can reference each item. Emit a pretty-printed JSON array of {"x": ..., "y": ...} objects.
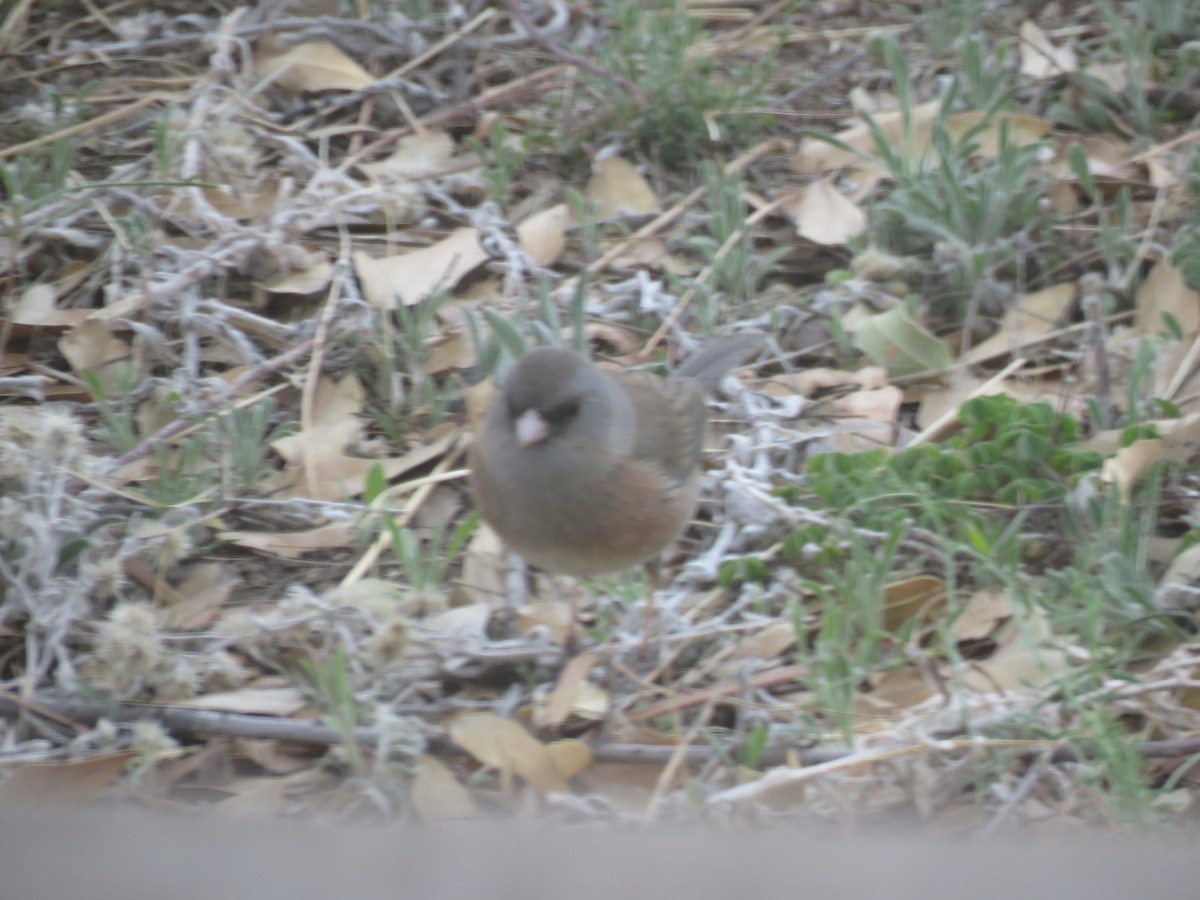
[{"x": 531, "y": 428}]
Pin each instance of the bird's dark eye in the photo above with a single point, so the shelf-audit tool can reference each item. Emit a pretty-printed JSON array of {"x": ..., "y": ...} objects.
[{"x": 562, "y": 413}]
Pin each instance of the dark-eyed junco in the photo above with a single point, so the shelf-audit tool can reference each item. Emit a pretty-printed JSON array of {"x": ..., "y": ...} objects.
[{"x": 583, "y": 471}]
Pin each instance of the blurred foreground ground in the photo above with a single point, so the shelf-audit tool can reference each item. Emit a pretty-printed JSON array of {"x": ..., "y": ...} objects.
[{"x": 136, "y": 856}]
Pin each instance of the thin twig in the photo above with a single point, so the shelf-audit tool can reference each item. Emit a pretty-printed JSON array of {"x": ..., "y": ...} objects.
[{"x": 580, "y": 62}]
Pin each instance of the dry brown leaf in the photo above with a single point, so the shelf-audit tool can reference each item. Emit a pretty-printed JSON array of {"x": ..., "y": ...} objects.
[
  {"x": 913, "y": 598},
  {"x": 813, "y": 381},
  {"x": 648, "y": 252},
  {"x": 1022, "y": 660},
  {"x": 309, "y": 281},
  {"x": 816, "y": 156},
  {"x": 451, "y": 351},
  {"x": 901, "y": 688},
  {"x": 1131, "y": 463},
  {"x": 570, "y": 756},
  {"x": 825, "y": 216},
  {"x": 984, "y": 612},
  {"x": 1184, "y": 568},
  {"x": 617, "y": 188},
  {"x": 1040, "y": 59},
  {"x": 767, "y": 643},
  {"x": 436, "y": 794},
  {"x": 271, "y": 756},
  {"x": 335, "y": 423},
  {"x": 482, "y": 579},
  {"x": 625, "y": 786},
  {"x": 1164, "y": 292},
  {"x": 91, "y": 345},
  {"x": 1022, "y": 130},
  {"x": 411, "y": 277},
  {"x": 1107, "y": 159},
  {"x": 416, "y": 156},
  {"x": 504, "y": 745},
  {"x": 543, "y": 235},
  {"x": 867, "y": 419},
  {"x": 257, "y": 797},
  {"x": 293, "y": 544},
  {"x": 552, "y": 615},
  {"x": 54, "y": 322},
  {"x": 936, "y": 402},
  {"x": 561, "y": 700},
  {"x": 1114, "y": 75},
  {"x": 283, "y": 702},
  {"x": 63, "y": 785},
  {"x": 1033, "y": 316},
  {"x": 339, "y": 477},
  {"x": 240, "y": 199},
  {"x": 201, "y": 599},
  {"x": 460, "y": 623},
  {"x": 313, "y": 67}
]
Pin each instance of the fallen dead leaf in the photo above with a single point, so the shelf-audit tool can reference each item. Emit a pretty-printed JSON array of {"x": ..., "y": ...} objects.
[
  {"x": 293, "y": 544},
  {"x": 436, "y": 794},
  {"x": 313, "y": 67},
  {"x": 504, "y": 745},
  {"x": 63, "y": 785},
  {"x": 562, "y": 700},
  {"x": 411, "y": 277},
  {"x": 826, "y": 216},
  {"x": 1040, "y": 58},
  {"x": 914, "y": 598},
  {"x": 273, "y": 701},
  {"x": 617, "y": 188},
  {"x": 1033, "y": 316},
  {"x": 416, "y": 156},
  {"x": 1163, "y": 293},
  {"x": 543, "y": 235}
]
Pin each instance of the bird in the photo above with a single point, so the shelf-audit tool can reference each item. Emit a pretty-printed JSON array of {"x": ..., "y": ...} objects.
[{"x": 584, "y": 472}]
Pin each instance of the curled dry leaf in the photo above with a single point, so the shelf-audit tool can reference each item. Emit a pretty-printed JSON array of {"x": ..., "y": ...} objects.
[
  {"x": 411, "y": 277},
  {"x": 1040, "y": 59},
  {"x": 335, "y": 422},
  {"x": 293, "y": 544},
  {"x": 313, "y": 67},
  {"x": 91, "y": 345},
  {"x": 504, "y": 745},
  {"x": 816, "y": 156},
  {"x": 200, "y": 599},
  {"x": 1131, "y": 463},
  {"x": 309, "y": 281},
  {"x": 617, "y": 188},
  {"x": 1163, "y": 293},
  {"x": 260, "y": 701},
  {"x": 913, "y": 598},
  {"x": 63, "y": 785},
  {"x": 1023, "y": 660},
  {"x": 544, "y": 234},
  {"x": 825, "y": 216},
  {"x": 416, "y": 156},
  {"x": 984, "y": 612},
  {"x": 812, "y": 381},
  {"x": 570, "y": 756},
  {"x": 552, "y": 615},
  {"x": 563, "y": 700},
  {"x": 1032, "y": 317},
  {"x": 482, "y": 579},
  {"x": 437, "y": 795}
]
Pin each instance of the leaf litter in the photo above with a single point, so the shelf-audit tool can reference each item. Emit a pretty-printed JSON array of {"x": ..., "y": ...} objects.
[{"x": 238, "y": 221}]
